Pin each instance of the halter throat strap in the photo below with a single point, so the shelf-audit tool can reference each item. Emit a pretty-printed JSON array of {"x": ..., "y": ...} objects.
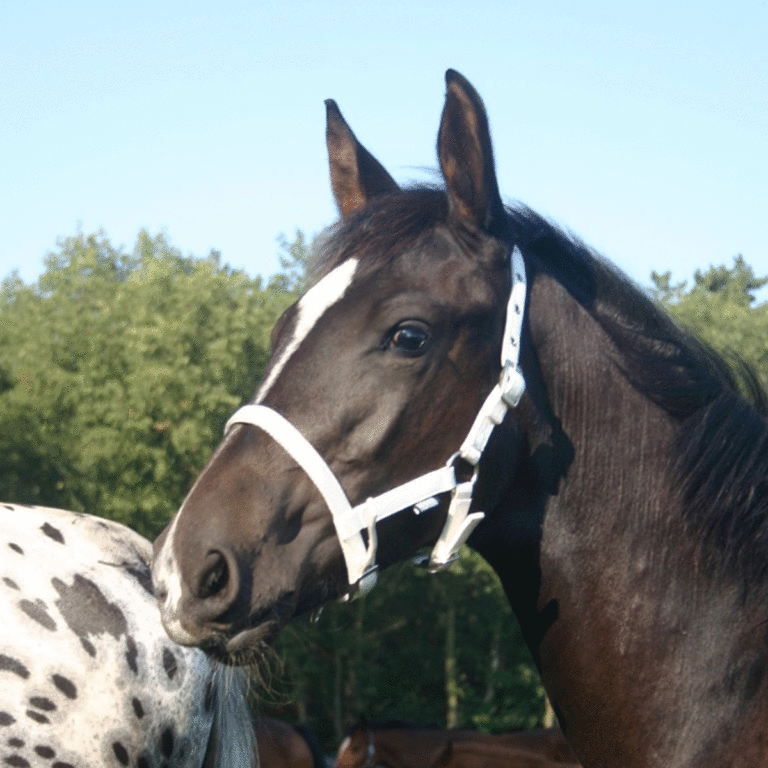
[{"x": 421, "y": 493}]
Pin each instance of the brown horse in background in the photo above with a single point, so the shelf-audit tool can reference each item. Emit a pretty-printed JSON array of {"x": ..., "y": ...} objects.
[
  {"x": 487, "y": 754},
  {"x": 281, "y": 745},
  {"x": 395, "y": 744}
]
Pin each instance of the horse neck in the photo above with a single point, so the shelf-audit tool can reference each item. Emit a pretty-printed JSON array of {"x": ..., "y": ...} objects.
[
  {"x": 594, "y": 471},
  {"x": 634, "y": 641}
]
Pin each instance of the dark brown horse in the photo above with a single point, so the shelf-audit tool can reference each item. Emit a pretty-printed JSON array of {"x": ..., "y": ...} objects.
[
  {"x": 625, "y": 494},
  {"x": 402, "y": 745}
]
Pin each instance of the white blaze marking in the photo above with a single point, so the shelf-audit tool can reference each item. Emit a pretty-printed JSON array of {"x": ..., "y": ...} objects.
[
  {"x": 312, "y": 306},
  {"x": 168, "y": 579},
  {"x": 344, "y": 744}
]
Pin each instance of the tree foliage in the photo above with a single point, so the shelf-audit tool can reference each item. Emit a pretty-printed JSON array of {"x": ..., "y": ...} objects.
[
  {"x": 721, "y": 308},
  {"x": 118, "y": 371},
  {"x": 387, "y": 655}
]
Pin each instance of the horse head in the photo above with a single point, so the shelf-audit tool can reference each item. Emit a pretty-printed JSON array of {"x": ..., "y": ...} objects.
[
  {"x": 376, "y": 376},
  {"x": 358, "y": 749}
]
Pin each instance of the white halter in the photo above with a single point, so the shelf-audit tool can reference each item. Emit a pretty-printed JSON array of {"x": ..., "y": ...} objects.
[{"x": 418, "y": 494}]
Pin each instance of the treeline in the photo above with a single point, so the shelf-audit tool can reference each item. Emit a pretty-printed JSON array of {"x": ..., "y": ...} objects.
[
  {"x": 118, "y": 370},
  {"x": 720, "y": 307}
]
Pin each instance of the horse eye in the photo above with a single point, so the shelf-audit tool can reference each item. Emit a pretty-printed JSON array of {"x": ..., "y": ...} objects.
[{"x": 410, "y": 339}]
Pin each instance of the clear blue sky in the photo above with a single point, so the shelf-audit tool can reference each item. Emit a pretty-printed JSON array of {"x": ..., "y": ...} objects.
[{"x": 644, "y": 130}]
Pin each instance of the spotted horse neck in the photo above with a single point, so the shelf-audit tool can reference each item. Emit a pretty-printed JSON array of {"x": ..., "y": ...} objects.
[{"x": 88, "y": 676}]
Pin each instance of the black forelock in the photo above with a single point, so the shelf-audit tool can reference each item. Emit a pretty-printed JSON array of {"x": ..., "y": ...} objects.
[{"x": 385, "y": 227}]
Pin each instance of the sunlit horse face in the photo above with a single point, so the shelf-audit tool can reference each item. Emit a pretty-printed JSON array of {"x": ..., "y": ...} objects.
[{"x": 382, "y": 366}]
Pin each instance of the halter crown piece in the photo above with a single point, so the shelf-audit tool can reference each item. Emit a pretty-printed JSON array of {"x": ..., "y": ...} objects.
[{"x": 418, "y": 494}]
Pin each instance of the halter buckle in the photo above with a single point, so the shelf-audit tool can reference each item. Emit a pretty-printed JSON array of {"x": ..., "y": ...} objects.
[
  {"x": 459, "y": 524},
  {"x": 512, "y": 384},
  {"x": 362, "y": 586}
]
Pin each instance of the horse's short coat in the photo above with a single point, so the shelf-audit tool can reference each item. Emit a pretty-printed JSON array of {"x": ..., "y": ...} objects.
[{"x": 88, "y": 677}]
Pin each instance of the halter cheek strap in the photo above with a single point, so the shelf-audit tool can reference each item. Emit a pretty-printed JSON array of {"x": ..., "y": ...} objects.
[
  {"x": 349, "y": 521},
  {"x": 418, "y": 494}
]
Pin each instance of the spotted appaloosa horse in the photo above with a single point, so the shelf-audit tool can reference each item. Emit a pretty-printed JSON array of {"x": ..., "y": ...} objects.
[
  {"x": 88, "y": 676},
  {"x": 611, "y": 469}
]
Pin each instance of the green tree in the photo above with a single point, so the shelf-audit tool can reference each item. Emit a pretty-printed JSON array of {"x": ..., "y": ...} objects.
[
  {"x": 294, "y": 258},
  {"x": 439, "y": 648},
  {"x": 721, "y": 308},
  {"x": 118, "y": 370}
]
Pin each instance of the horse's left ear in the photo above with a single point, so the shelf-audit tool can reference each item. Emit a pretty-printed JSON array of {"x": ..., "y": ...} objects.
[
  {"x": 466, "y": 158},
  {"x": 356, "y": 175}
]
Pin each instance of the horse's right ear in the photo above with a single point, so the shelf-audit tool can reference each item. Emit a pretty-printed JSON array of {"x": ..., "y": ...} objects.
[
  {"x": 356, "y": 175},
  {"x": 466, "y": 159}
]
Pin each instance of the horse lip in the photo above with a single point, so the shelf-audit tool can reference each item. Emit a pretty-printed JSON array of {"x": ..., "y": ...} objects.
[
  {"x": 243, "y": 647},
  {"x": 254, "y": 637},
  {"x": 237, "y": 646}
]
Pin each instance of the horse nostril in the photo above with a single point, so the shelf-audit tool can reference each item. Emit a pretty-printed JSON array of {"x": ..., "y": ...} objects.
[{"x": 214, "y": 576}]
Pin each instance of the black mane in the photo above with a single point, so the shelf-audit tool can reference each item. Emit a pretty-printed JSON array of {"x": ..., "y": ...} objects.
[
  {"x": 721, "y": 454},
  {"x": 721, "y": 451}
]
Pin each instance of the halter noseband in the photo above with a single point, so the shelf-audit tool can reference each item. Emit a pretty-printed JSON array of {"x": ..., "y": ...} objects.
[{"x": 418, "y": 494}]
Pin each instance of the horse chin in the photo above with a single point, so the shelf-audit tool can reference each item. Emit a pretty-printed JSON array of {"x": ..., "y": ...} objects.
[
  {"x": 251, "y": 644},
  {"x": 248, "y": 643},
  {"x": 245, "y": 647}
]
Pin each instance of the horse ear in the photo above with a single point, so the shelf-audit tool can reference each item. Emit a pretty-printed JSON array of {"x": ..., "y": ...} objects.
[
  {"x": 356, "y": 175},
  {"x": 466, "y": 157}
]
